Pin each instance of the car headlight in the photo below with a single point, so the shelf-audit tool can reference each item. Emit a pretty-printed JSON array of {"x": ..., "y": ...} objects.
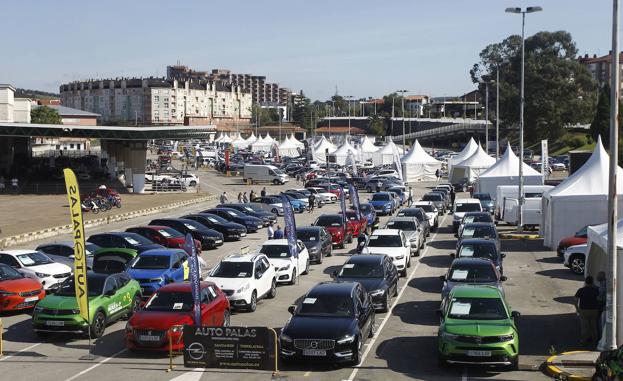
[
  {"x": 508, "y": 337},
  {"x": 387, "y": 206},
  {"x": 75, "y": 311},
  {"x": 284, "y": 267},
  {"x": 376, "y": 292},
  {"x": 242, "y": 289},
  {"x": 313, "y": 250},
  {"x": 400, "y": 257},
  {"x": 38, "y": 309},
  {"x": 449, "y": 336},
  {"x": 177, "y": 328},
  {"x": 346, "y": 339},
  {"x": 42, "y": 275},
  {"x": 156, "y": 280},
  {"x": 285, "y": 338},
  {"x": 6, "y": 293}
]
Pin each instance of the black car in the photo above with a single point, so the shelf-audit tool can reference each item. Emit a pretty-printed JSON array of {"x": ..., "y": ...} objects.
[
  {"x": 253, "y": 210},
  {"x": 252, "y": 224},
  {"x": 480, "y": 248},
  {"x": 484, "y": 230},
  {"x": 317, "y": 241},
  {"x": 230, "y": 230},
  {"x": 376, "y": 273},
  {"x": 123, "y": 240},
  {"x": 331, "y": 323},
  {"x": 418, "y": 213},
  {"x": 485, "y": 201},
  {"x": 470, "y": 217},
  {"x": 471, "y": 271},
  {"x": 438, "y": 200},
  {"x": 210, "y": 239}
]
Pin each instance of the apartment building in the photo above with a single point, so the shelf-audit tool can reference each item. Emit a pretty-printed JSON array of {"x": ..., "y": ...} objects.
[{"x": 599, "y": 67}]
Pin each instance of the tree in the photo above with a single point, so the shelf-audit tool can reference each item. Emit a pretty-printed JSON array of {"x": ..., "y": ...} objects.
[
  {"x": 559, "y": 89},
  {"x": 45, "y": 115},
  {"x": 301, "y": 112},
  {"x": 377, "y": 125},
  {"x": 601, "y": 121}
]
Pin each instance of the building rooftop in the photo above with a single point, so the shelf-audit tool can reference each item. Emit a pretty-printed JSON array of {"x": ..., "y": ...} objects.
[{"x": 64, "y": 111}]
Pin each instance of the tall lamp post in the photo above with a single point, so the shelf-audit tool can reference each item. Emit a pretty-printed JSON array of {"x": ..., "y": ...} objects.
[
  {"x": 349, "y": 97},
  {"x": 486, "y": 83},
  {"x": 404, "y": 143},
  {"x": 521, "y": 107},
  {"x": 497, "y": 112}
]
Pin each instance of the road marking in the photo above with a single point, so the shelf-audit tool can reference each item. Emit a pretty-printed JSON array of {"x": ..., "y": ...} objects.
[
  {"x": 402, "y": 290},
  {"x": 307, "y": 374},
  {"x": 193, "y": 375},
  {"x": 464, "y": 375},
  {"x": 104, "y": 361},
  {"x": 20, "y": 351}
]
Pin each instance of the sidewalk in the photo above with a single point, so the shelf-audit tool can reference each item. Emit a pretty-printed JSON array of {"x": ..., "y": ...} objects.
[{"x": 576, "y": 365}]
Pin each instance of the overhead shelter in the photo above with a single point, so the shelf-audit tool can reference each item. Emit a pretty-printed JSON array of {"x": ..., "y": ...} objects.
[
  {"x": 226, "y": 139},
  {"x": 288, "y": 148},
  {"x": 239, "y": 143},
  {"x": 341, "y": 154},
  {"x": 467, "y": 151},
  {"x": 385, "y": 155},
  {"x": 418, "y": 165},
  {"x": 321, "y": 149},
  {"x": 471, "y": 167},
  {"x": 261, "y": 145},
  {"x": 506, "y": 172},
  {"x": 296, "y": 142},
  {"x": 367, "y": 149},
  {"x": 580, "y": 200},
  {"x": 251, "y": 139}
]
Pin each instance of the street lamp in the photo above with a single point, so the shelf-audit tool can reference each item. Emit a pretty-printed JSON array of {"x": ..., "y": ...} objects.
[
  {"x": 404, "y": 145},
  {"x": 486, "y": 83},
  {"x": 349, "y": 97},
  {"x": 521, "y": 107}
]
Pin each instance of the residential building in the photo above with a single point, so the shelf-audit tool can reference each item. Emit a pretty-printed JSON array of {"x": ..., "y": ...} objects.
[
  {"x": 599, "y": 67},
  {"x": 13, "y": 110},
  {"x": 414, "y": 104},
  {"x": 73, "y": 116}
]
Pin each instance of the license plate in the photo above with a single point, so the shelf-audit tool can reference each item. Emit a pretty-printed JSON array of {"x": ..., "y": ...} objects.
[
  {"x": 31, "y": 299},
  {"x": 218, "y": 241},
  {"x": 243, "y": 234},
  {"x": 55, "y": 323},
  {"x": 259, "y": 226},
  {"x": 479, "y": 353},
  {"x": 314, "y": 352},
  {"x": 149, "y": 338}
]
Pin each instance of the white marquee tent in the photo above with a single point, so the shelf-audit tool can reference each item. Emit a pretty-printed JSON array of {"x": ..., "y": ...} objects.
[
  {"x": 467, "y": 151},
  {"x": 367, "y": 149},
  {"x": 418, "y": 165},
  {"x": 239, "y": 143},
  {"x": 226, "y": 139},
  {"x": 341, "y": 153},
  {"x": 471, "y": 167},
  {"x": 288, "y": 148},
  {"x": 320, "y": 148},
  {"x": 219, "y": 138},
  {"x": 296, "y": 142},
  {"x": 506, "y": 172},
  {"x": 251, "y": 139},
  {"x": 386, "y": 154},
  {"x": 261, "y": 145},
  {"x": 580, "y": 200}
]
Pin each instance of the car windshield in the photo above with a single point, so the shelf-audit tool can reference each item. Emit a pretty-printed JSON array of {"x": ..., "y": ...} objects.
[
  {"x": 234, "y": 212},
  {"x": 385, "y": 241},
  {"x": 582, "y": 232},
  {"x": 432, "y": 197},
  {"x": 214, "y": 218},
  {"x": 334, "y": 221},
  {"x": 275, "y": 251},
  {"x": 34, "y": 259},
  {"x": 477, "y": 218},
  {"x": 361, "y": 270},
  {"x": 478, "y": 232},
  {"x": 412, "y": 213},
  {"x": 477, "y": 309},
  {"x": 366, "y": 208},
  {"x": 8, "y": 273},
  {"x": 170, "y": 301},
  {"x": 170, "y": 233},
  {"x": 380, "y": 197},
  {"x": 307, "y": 235},
  {"x": 95, "y": 286},
  {"x": 326, "y": 305},
  {"x": 228, "y": 269},
  {"x": 467, "y": 207},
  {"x": 253, "y": 208},
  {"x": 136, "y": 239},
  {"x": 426, "y": 207},
  {"x": 472, "y": 273},
  {"x": 151, "y": 262},
  {"x": 482, "y": 196},
  {"x": 91, "y": 248},
  {"x": 402, "y": 225},
  {"x": 487, "y": 251}
]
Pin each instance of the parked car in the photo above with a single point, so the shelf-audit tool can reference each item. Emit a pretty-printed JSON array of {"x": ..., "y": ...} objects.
[
  {"x": 333, "y": 223},
  {"x": 326, "y": 197},
  {"x": 383, "y": 203},
  {"x": 394, "y": 243},
  {"x": 288, "y": 268},
  {"x": 486, "y": 202},
  {"x": 461, "y": 206},
  {"x": 63, "y": 252},
  {"x": 317, "y": 240},
  {"x": 123, "y": 240},
  {"x": 418, "y": 213},
  {"x": 253, "y": 224},
  {"x": 432, "y": 214},
  {"x": 463, "y": 184},
  {"x": 413, "y": 231},
  {"x": 163, "y": 235},
  {"x": 275, "y": 204},
  {"x": 331, "y": 323},
  {"x": 153, "y": 269},
  {"x": 574, "y": 258},
  {"x": 471, "y": 217},
  {"x": 18, "y": 292},
  {"x": 480, "y": 248},
  {"x": 479, "y": 230},
  {"x": 230, "y": 230},
  {"x": 437, "y": 199},
  {"x": 470, "y": 270},
  {"x": 112, "y": 261},
  {"x": 580, "y": 237},
  {"x": 210, "y": 239},
  {"x": 253, "y": 210},
  {"x": 357, "y": 226},
  {"x": 36, "y": 265}
]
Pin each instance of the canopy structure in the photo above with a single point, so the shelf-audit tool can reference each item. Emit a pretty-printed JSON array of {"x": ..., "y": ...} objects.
[
  {"x": 580, "y": 200},
  {"x": 226, "y": 139},
  {"x": 269, "y": 138},
  {"x": 320, "y": 150},
  {"x": 506, "y": 172},
  {"x": 367, "y": 149},
  {"x": 418, "y": 165},
  {"x": 471, "y": 167},
  {"x": 261, "y": 145},
  {"x": 239, "y": 143},
  {"x": 341, "y": 153},
  {"x": 219, "y": 138},
  {"x": 468, "y": 151},
  {"x": 288, "y": 148},
  {"x": 251, "y": 139},
  {"x": 297, "y": 143},
  {"x": 386, "y": 154}
]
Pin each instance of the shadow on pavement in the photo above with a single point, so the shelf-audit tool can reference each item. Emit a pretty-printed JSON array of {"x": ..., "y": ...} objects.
[
  {"x": 430, "y": 284},
  {"x": 539, "y": 333},
  {"x": 420, "y": 312},
  {"x": 565, "y": 300},
  {"x": 554, "y": 259},
  {"x": 563, "y": 273},
  {"x": 441, "y": 261},
  {"x": 449, "y": 245},
  {"x": 330, "y": 269}
]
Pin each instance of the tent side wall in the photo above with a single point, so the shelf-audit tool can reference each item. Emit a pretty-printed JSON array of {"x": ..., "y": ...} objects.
[{"x": 420, "y": 171}]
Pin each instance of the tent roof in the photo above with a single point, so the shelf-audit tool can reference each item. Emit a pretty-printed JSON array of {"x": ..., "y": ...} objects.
[
  {"x": 598, "y": 234},
  {"x": 367, "y": 145},
  {"x": 252, "y": 139},
  {"x": 418, "y": 155},
  {"x": 226, "y": 139},
  {"x": 468, "y": 151},
  {"x": 323, "y": 145},
  {"x": 479, "y": 159},
  {"x": 287, "y": 143},
  {"x": 389, "y": 148},
  {"x": 344, "y": 148},
  {"x": 296, "y": 141},
  {"x": 592, "y": 178},
  {"x": 508, "y": 166}
]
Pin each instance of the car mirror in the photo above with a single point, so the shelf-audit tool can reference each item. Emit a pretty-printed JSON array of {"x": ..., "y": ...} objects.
[
  {"x": 503, "y": 255},
  {"x": 258, "y": 275},
  {"x": 456, "y": 235},
  {"x": 495, "y": 222},
  {"x": 442, "y": 278},
  {"x": 452, "y": 255},
  {"x": 503, "y": 278},
  {"x": 334, "y": 274},
  {"x": 515, "y": 314},
  {"x": 177, "y": 265},
  {"x": 291, "y": 309}
]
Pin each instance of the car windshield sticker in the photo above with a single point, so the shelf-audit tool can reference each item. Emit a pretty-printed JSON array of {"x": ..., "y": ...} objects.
[
  {"x": 400, "y": 214},
  {"x": 468, "y": 232},
  {"x": 391, "y": 223},
  {"x": 458, "y": 206},
  {"x": 178, "y": 306},
  {"x": 469, "y": 219},
  {"x": 374, "y": 237},
  {"x": 283, "y": 254},
  {"x": 349, "y": 265},
  {"x": 312, "y": 238},
  {"x": 336, "y": 224},
  {"x": 467, "y": 251},
  {"x": 164, "y": 233},
  {"x": 26, "y": 260},
  {"x": 131, "y": 241},
  {"x": 190, "y": 227},
  {"x": 460, "y": 309},
  {"x": 309, "y": 300},
  {"x": 242, "y": 275},
  {"x": 231, "y": 213},
  {"x": 459, "y": 274},
  {"x": 213, "y": 220}
]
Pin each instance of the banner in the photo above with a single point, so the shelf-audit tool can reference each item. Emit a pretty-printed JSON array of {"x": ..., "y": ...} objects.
[
  {"x": 354, "y": 197},
  {"x": 289, "y": 225},
  {"x": 343, "y": 206},
  {"x": 195, "y": 287},
  {"x": 227, "y": 158},
  {"x": 544, "y": 158},
  {"x": 80, "y": 264}
]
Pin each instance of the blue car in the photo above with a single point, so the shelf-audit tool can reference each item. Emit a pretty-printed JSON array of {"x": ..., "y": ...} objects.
[
  {"x": 383, "y": 203},
  {"x": 153, "y": 269},
  {"x": 297, "y": 205},
  {"x": 368, "y": 211}
]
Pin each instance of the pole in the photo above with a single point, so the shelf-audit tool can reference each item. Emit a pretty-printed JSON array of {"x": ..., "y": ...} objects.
[
  {"x": 404, "y": 143},
  {"x": 497, "y": 112},
  {"x": 487, "y": 117},
  {"x": 521, "y": 121},
  {"x": 612, "y": 326},
  {"x": 349, "y": 97}
]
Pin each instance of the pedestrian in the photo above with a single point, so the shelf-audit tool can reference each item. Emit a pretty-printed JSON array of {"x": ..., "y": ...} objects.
[
  {"x": 587, "y": 307},
  {"x": 312, "y": 202},
  {"x": 15, "y": 184},
  {"x": 270, "y": 231},
  {"x": 252, "y": 196},
  {"x": 438, "y": 174},
  {"x": 263, "y": 192},
  {"x": 224, "y": 198},
  {"x": 278, "y": 233},
  {"x": 245, "y": 198},
  {"x": 240, "y": 197},
  {"x": 410, "y": 199}
]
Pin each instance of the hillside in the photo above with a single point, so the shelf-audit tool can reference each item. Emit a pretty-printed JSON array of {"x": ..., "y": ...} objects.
[{"x": 28, "y": 93}]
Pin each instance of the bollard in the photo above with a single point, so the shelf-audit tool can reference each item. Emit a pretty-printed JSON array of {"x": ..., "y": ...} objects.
[
  {"x": 276, "y": 371},
  {"x": 170, "y": 352}
]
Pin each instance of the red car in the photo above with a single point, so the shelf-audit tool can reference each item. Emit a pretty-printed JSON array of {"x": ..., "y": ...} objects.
[
  {"x": 16, "y": 291},
  {"x": 580, "y": 237},
  {"x": 168, "y": 310},
  {"x": 163, "y": 235},
  {"x": 357, "y": 227},
  {"x": 333, "y": 223}
]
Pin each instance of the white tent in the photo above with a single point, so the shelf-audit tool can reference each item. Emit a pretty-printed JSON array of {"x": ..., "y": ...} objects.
[
  {"x": 239, "y": 143},
  {"x": 580, "y": 200},
  {"x": 367, "y": 149},
  {"x": 506, "y": 172},
  {"x": 269, "y": 138},
  {"x": 288, "y": 148},
  {"x": 251, "y": 139},
  {"x": 219, "y": 138},
  {"x": 320, "y": 150},
  {"x": 226, "y": 139},
  {"x": 341, "y": 153},
  {"x": 471, "y": 167},
  {"x": 297, "y": 143},
  {"x": 261, "y": 145},
  {"x": 386, "y": 154},
  {"x": 418, "y": 165},
  {"x": 468, "y": 151}
]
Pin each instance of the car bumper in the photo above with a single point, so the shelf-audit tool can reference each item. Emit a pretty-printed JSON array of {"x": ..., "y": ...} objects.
[
  {"x": 50, "y": 282},
  {"x": 132, "y": 341},
  {"x": 211, "y": 243},
  {"x": 284, "y": 275},
  {"x": 399, "y": 263},
  {"x": 469, "y": 353},
  {"x": 234, "y": 235},
  {"x": 16, "y": 302},
  {"x": 336, "y": 355},
  {"x": 335, "y": 240},
  {"x": 61, "y": 323}
]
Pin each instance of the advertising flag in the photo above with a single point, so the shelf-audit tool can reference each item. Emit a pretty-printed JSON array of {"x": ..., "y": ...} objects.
[
  {"x": 354, "y": 197},
  {"x": 195, "y": 287},
  {"x": 544, "y": 158},
  {"x": 343, "y": 206},
  {"x": 289, "y": 226},
  {"x": 80, "y": 264}
]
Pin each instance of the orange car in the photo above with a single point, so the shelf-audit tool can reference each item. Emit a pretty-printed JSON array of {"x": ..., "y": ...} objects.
[{"x": 16, "y": 291}]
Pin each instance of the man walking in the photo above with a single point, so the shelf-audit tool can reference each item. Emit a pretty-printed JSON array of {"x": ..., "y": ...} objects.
[
  {"x": 270, "y": 231},
  {"x": 245, "y": 198},
  {"x": 239, "y": 197},
  {"x": 224, "y": 198},
  {"x": 311, "y": 200},
  {"x": 438, "y": 174},
  {"x": 278, "y": 233},
  {"x": 263, "y": 192},
  {"x": 252, "y": 195},
  {"x": 587, "y": 307},
  {"x": 410, "y": 199}
]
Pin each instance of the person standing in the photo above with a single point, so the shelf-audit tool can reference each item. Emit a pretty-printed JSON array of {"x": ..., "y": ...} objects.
[
  {"x": 263, "y": 192},
  {"x": 278, "y": 233},
  {"x": 245, "y": 198},
  {"x": 587, "y": 307},
  {"x": 15, "y": 184},
  {"x": 252, "y": 195},
  {"x": 239, "y": 197},
  {"x": 224, "y": 198},
  {"x": 312, "y": 202},
  {"x": 410, "y": 199},
  {"x": 438, "y": 174},
  {"x": 270, "y": 231}
]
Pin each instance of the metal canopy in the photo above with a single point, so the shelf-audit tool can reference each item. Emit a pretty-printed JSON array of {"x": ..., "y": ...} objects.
[{"x": 173, "y": 132}]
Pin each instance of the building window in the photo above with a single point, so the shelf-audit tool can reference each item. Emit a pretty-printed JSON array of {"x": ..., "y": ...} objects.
[
  {"x": 166, "y": 113},
  {"x": 71, "y": 146},
  {"x": 157, "y": 119},
  {"x": 156, "y": 98},
  {"x": 165, "y": 99},
  {"x": 166, "y": 105},
  {"x": 77, "y": 146}
]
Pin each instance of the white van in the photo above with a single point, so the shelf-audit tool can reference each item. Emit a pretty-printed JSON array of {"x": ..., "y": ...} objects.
[
  {"x": 255, "y": 173},
  {"x": 462, "y": 206},
  {"x": 531, "y": 211},
  {"x": 512, "y": 192}
]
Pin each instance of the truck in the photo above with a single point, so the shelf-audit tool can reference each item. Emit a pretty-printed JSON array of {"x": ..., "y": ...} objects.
[
  {"x": 512, "y": 191},
  {"x": 255, "y": 173}
]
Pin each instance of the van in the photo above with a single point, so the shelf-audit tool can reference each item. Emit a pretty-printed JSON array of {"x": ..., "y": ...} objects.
[
  {"x": 462, "y": 206},
  {"x": 255, "y": 173},
  {"x": 531, "y": 212},
  {"x": 512, "y": 192}
]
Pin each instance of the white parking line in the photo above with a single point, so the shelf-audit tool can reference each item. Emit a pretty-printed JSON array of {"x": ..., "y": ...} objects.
[
  {"x": 464, "y": 375},
  {"x": 104, "y": 361},
  {"x": 20, "y": 351},
  {"x": 193, "y": 375},
  {"x": 378, "y": 331}
]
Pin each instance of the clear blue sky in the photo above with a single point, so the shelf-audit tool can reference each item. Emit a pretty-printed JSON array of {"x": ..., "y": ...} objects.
[{"x": 366, "y": 48}]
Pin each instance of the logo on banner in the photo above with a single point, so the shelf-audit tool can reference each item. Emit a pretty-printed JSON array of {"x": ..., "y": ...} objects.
[{"x": 289, "y": 225}]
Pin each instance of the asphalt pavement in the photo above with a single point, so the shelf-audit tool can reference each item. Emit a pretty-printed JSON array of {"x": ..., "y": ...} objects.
[{"x": 406, "y": 341}]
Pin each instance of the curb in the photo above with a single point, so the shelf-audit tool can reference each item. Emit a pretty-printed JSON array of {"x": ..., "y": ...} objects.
[
  {"x": 559, "y": 374},
  {"x": 523, "y": 236},
  {"x": 63, "y": 229}
]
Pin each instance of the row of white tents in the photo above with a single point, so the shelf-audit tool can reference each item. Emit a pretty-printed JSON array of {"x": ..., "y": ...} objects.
[{"x": 290, "y": 146}]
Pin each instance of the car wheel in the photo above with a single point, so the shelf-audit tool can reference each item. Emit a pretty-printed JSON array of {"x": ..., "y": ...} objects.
[
  {"x": 193, "y": 184},
  {"x": 514, "y": 363},
  {"x": 98, "y": 326},
  {"x": 403, "y": 273},
  {"x": 341, "y": 245},
  {"x": 226, "y": 318},
  {"x": 357, "y": 352},
  {"x": 275, "y": 211},
  {"x": 576, "y": 264},
  {"x": 396, "y": 289},
  {"x": 293, "y": 279},
  {"x": 408, "y": 261},
  {"x": 350, "y": 238},
  {"x": 136, "y": 305},
  {"x": 273, "y": 289},
  {"x": 253, "y": 304},
  {"x": 275, "y": 182},
  {"x": 330, "y": 251},
  {"x": 306, "y": 267}
]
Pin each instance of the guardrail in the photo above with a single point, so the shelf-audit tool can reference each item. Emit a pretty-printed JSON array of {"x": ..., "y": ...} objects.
[{"x": 476, "y": 127}]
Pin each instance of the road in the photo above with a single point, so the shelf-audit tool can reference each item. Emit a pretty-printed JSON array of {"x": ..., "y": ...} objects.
[{"x": 404, "y": 347}]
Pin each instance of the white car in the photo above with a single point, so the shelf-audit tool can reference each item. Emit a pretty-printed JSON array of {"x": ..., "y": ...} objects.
[
  {"x": 245, "y": 279},
  {"x": 393, "y": 243},
  {"x": 575, "y": 258},
  {"x": 288, "y": 268},
  {"x": 37, "y": 266},
  {"x": 322, "y": 195},
  {"x": 558, "y": 167},
  {"x": 431, "y": 212},
  {"x": 189, "y": 179},
  {"x": 462, "y": 206}
]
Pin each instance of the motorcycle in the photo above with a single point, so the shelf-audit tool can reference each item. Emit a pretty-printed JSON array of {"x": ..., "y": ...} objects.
[
  {"x": 609, "y": 366},
  {"x": 361, "y": 244}
]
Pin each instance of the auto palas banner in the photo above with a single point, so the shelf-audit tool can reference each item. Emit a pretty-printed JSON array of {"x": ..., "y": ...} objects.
[
  {"x": 289, "y": 225},
  {"x": 77, "y": 225},
  {"x": 343, "y": 206},
  {"x": 194, "y": 277},
  {"x": 354, "y": 196}
]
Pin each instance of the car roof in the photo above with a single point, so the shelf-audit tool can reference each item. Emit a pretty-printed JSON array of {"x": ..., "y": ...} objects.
[
  {"x": 386, "y": 232},
  {"x": 423, "y": 203},
  {"x": 403, "y": 218},
  {"x": 182, "y": 286},
  {"x": 478, "y": 224},
  {"x": 477, "y": 214},
  {"x": 161, "y": 252},
  {"x": 275, "y": 242},
  {"x": 314, "y": 229},
  {"x": 467, "y": 201},
  {"x": 475, "y": 291},
  {"x": 470, "y": 260},
  {"x": 332, "y": 288},
  {"x": 17, "y": 252},
  {"x": 369, "y": 258},
  {"x": 330, "y": 214},
  {"x": 477, "y": 241},
  {"x": 238, "y": 257},
  {"x": 150, "y": 227},
  {"x": 387, "y": 193}
]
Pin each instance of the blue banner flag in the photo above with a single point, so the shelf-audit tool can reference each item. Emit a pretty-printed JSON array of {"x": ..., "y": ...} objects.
[
  {"x": 194, "y": 277},
  {"x": 289, "y": 225},
  {"x": 343, "y": 206},
  {"x": 354, "y": 197}
]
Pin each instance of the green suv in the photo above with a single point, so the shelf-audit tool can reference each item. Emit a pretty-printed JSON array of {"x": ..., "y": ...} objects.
[
  {"x": 477, "y": 327},
  {"x": 111, "y": 297}
]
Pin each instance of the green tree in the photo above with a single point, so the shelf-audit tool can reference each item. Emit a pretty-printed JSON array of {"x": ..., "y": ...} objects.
[
  {"x": 45, "y": 115},
  {"x": 559, "y": 89},
  {"x": 377, "y": 125},
  {"x": 601, "y": 121},
  {"x": 302, "y": 110}
]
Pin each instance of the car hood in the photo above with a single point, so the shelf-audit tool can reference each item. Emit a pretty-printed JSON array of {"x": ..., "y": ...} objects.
[
  {"x": 279, "y": 262},
  {"x": 391, "y": 251},
  {"x": 159, "y": 320},
  {"x": 145, "y": 274},
  {"x": 229, "y": 283},
  {"x": 370, "y": 284},
  {"x": 319, "y": 327},
  {"x": 449, "y": 285},
  {"x": 20, "y": 285},
  {"x": 410, "y": 234},
  {"x": 478, "y": 327},
  {"x": 312, "y": 244},
  {"x": 59, "y": 302},
  {"x": 380, "y": 202},
  {"x": 572, "y": 241},
  {"x": 50, "y": 268}
]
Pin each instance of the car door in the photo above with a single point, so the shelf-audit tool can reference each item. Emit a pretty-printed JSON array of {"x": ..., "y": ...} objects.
[
  {"x": 113, "y": 305},
  {"x": 14, "y": 263},
  {"x": 364, "y": 311},
  {"x": 391, "y": 275},
  {"x": 266, "y": 279},
  {"x": 177, "y": 267},
  {"x": 302, "y": 259},
  {"x": 211, "y": 311},
  {"x": 259, "y": 273},
  {"x": 326, "y": 241},
  {"x": 124, "y": 292}
]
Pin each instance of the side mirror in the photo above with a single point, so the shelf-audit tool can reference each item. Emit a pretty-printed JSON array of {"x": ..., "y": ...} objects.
[
  {"x": 503, "y": 278},
  {"x": 452, "y": 255},
  {"x": 442, "y": 278},
  {"x": 456, "y": 235},
  {"x": 438, "y": 312},
  {"x": 503, "y": 255},
  {"x": 515, "y": 314},
  {"x": 291, "y": 309}
]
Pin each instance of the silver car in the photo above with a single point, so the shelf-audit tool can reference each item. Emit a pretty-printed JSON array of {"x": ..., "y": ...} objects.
[
  {"x": 63, "y": 252},
  {"x": 412, "y": 230}
]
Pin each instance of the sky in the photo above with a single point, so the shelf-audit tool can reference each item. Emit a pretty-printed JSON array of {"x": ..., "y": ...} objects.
[{"x": 362, "y": 47}]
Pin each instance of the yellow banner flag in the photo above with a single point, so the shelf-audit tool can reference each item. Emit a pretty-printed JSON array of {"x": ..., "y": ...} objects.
[{"x": 77, "y": 224}]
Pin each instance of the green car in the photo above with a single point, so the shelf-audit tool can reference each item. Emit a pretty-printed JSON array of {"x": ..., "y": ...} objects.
[
  {"x": 477, "y": 327},
  {"x": 111, "y": 297}
]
